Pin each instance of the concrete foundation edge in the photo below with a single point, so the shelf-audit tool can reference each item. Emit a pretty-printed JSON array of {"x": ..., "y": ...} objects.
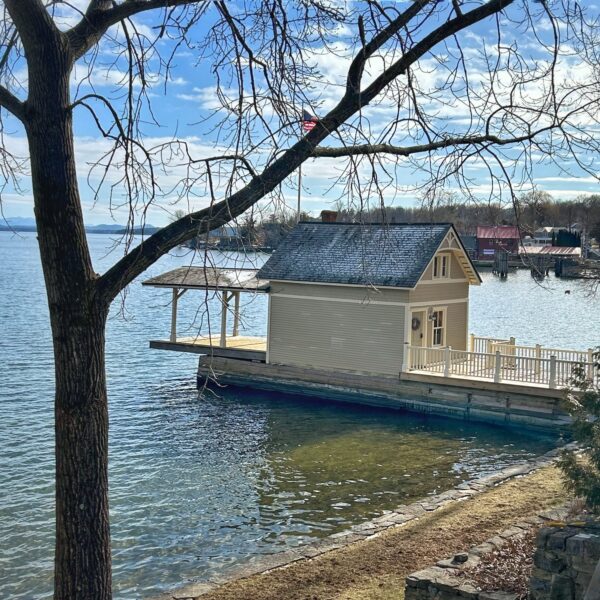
[{"x": 499, "y": 407}]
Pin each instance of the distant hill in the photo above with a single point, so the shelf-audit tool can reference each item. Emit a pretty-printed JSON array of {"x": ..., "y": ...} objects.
[
  {"x": 17, "y": 224},
  {"x": 28, "y": 224}
]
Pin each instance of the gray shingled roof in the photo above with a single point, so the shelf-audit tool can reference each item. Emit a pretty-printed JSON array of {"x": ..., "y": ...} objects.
[
  {"x": 392, "y": 255},
  {"x": 210, "y": 278}
]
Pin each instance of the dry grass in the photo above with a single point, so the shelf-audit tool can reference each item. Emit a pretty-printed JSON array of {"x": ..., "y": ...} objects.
[{"x": 376, "y": 569}]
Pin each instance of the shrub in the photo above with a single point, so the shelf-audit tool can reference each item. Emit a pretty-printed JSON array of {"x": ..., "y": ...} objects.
[{"x": 582, "y": 402}]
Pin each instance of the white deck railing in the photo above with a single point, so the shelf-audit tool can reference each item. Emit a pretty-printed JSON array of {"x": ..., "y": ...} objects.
[
  {"x": 493, "y": 345},
  {"x": 508, "y": 366}
]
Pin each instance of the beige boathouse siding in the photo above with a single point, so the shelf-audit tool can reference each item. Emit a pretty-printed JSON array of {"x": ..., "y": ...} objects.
[
  {"x": 438, "y": 292},
  {"x": 356, "y": 328},
  {"x": 336, "y": 327},
  {"x": 345, "y": 292}
]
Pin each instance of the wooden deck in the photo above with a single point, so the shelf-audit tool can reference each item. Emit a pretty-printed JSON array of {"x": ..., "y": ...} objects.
[
  {"x": 239, "y": 346},
  {"x": 482, "y": 380}
]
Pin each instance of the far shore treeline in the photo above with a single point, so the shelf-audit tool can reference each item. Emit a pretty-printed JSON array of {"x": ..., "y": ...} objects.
[{"x": 529, "y": 212}]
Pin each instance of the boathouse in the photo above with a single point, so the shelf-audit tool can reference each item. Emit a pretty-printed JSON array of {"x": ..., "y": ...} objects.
[
  {"x": 497, "y": 238},
  {"x": 352, "y": 296},
  {"x": 344, "y": 296},
  {"x": 374, "y": 314}
]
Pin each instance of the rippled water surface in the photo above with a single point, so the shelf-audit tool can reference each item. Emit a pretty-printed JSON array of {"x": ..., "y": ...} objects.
[{"x": 200, "y": 484}]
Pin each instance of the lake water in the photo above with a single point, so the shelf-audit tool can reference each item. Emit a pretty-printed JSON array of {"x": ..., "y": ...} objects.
[{"x": 200, "y": 484}]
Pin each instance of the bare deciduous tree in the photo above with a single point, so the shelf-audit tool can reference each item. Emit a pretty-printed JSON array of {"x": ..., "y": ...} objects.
[{"x": 440, "y": 109}]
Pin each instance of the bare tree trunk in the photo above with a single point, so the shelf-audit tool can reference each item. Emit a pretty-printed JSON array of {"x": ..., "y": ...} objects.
[
  {"x": 78, "y": 319},
  {"x": 82, "y": 566}
]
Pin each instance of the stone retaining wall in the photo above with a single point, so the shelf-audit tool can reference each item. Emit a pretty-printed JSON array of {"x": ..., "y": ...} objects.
[
  {"x": 565, "y": 560},
  {"x": 443, "y": 581}
]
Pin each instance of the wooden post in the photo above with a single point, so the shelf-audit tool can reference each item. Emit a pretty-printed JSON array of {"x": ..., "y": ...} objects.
[
  {"x": 590, "y": 361},
  {"x": 538, "y": 356},
  {"x": 552, "y": 380},
  {"x": 224, "y": 307},
  {"x": 236, "y": 313},
  {"x": 472, "y": 343},
  {"x": 173, "y": 337},
  {"x": 498, "y": 367},
  {"x": 448, "y": 354}
]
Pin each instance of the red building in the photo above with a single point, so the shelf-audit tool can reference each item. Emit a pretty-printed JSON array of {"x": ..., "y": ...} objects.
[{"x": 490, "y": 239}]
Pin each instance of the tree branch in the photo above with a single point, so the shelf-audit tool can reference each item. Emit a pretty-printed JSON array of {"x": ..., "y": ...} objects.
[
  {"x": 103, "y": 14},
  {"x": 32, "y": 21},
  {"x": 197, "y": 223},
  {"x": 446, "y": 30},
  {"x": 12, "y": 104},
  {"x": 365, "y": 149},
  {"x": 358, "y": 64}
]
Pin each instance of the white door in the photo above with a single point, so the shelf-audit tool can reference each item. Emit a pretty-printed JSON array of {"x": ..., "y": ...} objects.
[{"x": 417, "y": 328}]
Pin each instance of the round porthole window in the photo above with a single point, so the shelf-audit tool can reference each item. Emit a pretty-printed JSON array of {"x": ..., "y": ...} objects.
[{"x": 416, "y": 323}]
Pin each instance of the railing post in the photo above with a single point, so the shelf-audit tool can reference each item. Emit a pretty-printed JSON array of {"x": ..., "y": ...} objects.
[
  {"x": 552, "y": 379},
  {"x": 498, "y": 367},
  {"x": 406, "y": 359},
  {"x": 538, "y": 356},
  {"x": 472, "y": 343},
  {"x": 236, "y": 314},
  {"x": 447, "y": 357},
  {"x": 590, "y": 362},
  {"x": 491, "y": 350}
]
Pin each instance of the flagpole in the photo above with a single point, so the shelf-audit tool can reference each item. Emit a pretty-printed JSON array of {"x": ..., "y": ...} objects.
[
  {"x": 300, "y": 174},
  {"x": 299, "y": 190}
]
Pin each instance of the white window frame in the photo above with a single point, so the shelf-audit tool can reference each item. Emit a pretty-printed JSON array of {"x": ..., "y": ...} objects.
[
  {"x": 441, "y": 266},
  {"x": 443, "y": 328}
]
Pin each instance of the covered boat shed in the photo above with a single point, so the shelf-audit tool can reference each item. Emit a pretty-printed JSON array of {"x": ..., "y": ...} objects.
[{"x": 228, "y": 283}]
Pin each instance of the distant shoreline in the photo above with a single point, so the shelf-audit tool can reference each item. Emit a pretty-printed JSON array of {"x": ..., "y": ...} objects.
[{"x": 30, "y": 229}]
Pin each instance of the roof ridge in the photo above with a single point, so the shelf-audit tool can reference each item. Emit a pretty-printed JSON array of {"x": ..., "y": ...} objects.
[{"x": 378, "y": 223}]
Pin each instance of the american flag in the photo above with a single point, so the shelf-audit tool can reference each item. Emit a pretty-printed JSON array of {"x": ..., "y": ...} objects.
[{"x": 308, "y": 121}]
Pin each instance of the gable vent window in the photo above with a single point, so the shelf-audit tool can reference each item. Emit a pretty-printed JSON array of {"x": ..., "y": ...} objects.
[{"x": 441, "y": 266}]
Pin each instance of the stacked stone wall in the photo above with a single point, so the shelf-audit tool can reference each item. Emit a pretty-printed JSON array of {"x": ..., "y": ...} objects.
[{"x": 565, "y": 560}]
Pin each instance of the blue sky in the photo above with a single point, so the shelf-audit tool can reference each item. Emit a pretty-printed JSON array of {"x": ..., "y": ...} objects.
[{"x": 186, "y": 106}]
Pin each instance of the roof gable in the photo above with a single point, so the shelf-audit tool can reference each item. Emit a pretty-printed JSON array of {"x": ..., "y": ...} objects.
[
  {"x": 453, "y": 243},
  {"x": 382, "y": 255}
]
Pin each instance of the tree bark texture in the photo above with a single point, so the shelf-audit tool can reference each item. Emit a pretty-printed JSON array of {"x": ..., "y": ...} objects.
[{"x": 78, "y": 319}]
